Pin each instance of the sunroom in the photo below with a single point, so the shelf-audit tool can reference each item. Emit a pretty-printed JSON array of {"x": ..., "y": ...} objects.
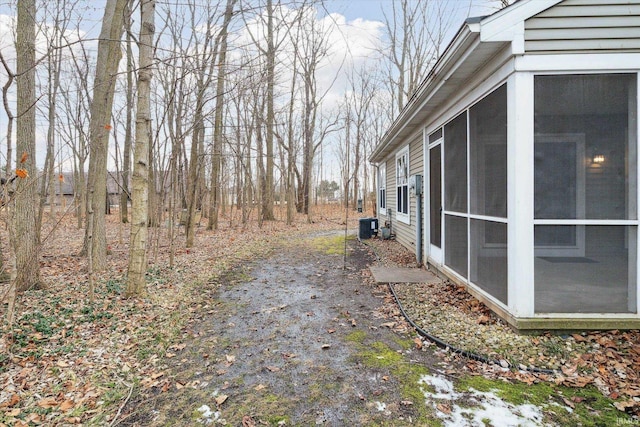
[{"x": 530, "y": 143}]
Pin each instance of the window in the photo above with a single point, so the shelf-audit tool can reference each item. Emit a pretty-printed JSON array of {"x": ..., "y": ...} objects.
[
  {"x": 382, "y": 188},
  {"x": 402, "y": 185}
]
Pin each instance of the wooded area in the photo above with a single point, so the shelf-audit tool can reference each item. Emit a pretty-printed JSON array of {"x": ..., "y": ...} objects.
[
  {"x": 153, "y": 150},
  {"x": 196, "y": 110}
]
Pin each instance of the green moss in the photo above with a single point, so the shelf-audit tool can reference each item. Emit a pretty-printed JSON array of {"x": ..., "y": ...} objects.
[
  {"x": 357, "y": 337},
  {"x": 380, "y": 356},
  {"x": 330, "y": 245},
  {"x": 591, "y": 407}
]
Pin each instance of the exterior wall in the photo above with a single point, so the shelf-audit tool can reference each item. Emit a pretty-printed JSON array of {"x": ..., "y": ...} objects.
[
  {"x": 573, "y": 37},
  {"x": 405, "y": 233},
  {"x": 585, "y": 25},
  {"x": 391, "y": 192}
]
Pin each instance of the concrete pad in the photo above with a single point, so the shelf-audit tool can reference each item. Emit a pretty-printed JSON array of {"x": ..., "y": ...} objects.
[{"x": 402, "y": 275}]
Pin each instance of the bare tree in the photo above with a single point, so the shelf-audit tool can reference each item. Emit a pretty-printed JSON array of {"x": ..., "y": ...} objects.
[
  {"x": 310, "y": 51},
  {"x": 416, "y": 31},
  {"x": 202, "y": 61},
  {"x": 126, "y": 150},
  {"x": 269, "y": 47},
  {"x": 139, "y": 211},
  {"x": 25, "y": 242},
  {"x": 219, "y": 116},
  {"x": 109, "y": 55}
]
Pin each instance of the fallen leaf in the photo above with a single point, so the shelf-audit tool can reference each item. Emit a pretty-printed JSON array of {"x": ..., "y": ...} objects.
[
  {"x": 483, "y": 320},
  {"x": 260, "y": 387},
  {"x": 247, "y": 421},
  {"x": 569, "y": 403},
  {"x": 578, "y": 338},
  {"x": 13, "y": 400},
  {"x": 418, "y": 342},
  {"x": 221, "y": 399},
  {"x": 14, "y": 412},
  {"x": 444, "y": 408},
  {"x": 47, "y": 402},
  {"x": 66, "y": 405},
  {"x": 633, "y": 392},
  {"x": 623, "y": 405}
]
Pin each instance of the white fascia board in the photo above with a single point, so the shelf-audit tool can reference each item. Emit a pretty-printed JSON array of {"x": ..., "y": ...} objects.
[
  {"x": 618, "y": 62},
  {"x": 503, "y": 25}
]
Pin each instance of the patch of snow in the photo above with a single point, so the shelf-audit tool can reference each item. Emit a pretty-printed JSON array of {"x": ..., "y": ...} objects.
[
  {"x": 481, "y": 407},
  {"x": 444, "y": 387},
  {"x": 208, "y": 416},
  {"x": 566, "y": 408}
]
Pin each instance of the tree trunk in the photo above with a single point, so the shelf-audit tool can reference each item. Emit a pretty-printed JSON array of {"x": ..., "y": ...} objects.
[
  {"x": 139, "y": 209},
  {"x": 218, "y": 125},
  {"x": 267, "y": 196},
  {"x": 109, "y": 55},
  {"x": 193, "y": 180},
  {"x": 126, "y": 152},
  {"x": 47, "y": 187},
  {"x": 24, "y": 214}
]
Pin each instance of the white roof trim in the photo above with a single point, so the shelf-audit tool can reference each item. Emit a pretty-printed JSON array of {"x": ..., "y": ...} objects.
[{"x": 504, "y": 24}]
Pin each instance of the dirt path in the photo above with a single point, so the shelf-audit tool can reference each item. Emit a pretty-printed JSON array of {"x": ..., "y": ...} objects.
[
  {"x": 301, "y": 338},
  {"x": 296, "y": 340}
]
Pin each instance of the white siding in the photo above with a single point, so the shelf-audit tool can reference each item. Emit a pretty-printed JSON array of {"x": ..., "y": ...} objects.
[{"x": 585, "y": 25}]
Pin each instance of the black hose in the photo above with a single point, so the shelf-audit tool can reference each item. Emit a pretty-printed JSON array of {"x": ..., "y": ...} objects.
[{"x": 442, "y": 344}]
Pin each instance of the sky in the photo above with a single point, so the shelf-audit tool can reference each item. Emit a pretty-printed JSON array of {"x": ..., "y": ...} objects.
[{"x": 361, "y": 19}]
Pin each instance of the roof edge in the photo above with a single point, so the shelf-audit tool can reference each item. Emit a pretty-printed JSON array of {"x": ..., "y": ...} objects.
[
  {"x": 459, "y": 43},
  {"x": 489, "y": 28}
]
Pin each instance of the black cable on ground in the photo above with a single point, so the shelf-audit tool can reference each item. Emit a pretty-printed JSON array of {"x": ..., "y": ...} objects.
[{"x": 444, "y": 345}]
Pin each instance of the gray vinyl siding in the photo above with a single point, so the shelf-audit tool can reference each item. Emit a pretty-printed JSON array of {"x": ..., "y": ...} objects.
[
  {"x": 585, "y": 25},
  {"x": 391, "y": 190},
  {"x": 406, "y": 233}
]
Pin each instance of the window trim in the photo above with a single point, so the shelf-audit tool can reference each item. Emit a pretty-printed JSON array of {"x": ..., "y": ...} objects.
[
  {"x": 382, "y": 188},
  {"x": 404, "y": 217}
]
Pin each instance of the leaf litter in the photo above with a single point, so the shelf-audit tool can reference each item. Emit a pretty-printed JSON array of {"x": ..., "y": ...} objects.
[
  {"x": 69, "y": 360},
  {"x": 608, "y": 360}
]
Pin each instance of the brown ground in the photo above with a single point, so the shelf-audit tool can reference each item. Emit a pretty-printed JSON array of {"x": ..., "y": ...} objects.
[{"x": 262, "y": 325}]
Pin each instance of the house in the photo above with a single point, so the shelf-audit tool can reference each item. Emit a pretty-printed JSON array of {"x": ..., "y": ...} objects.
[
  {"x": 65, "y": 187},
  {"x": 526, "y": 137}
]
